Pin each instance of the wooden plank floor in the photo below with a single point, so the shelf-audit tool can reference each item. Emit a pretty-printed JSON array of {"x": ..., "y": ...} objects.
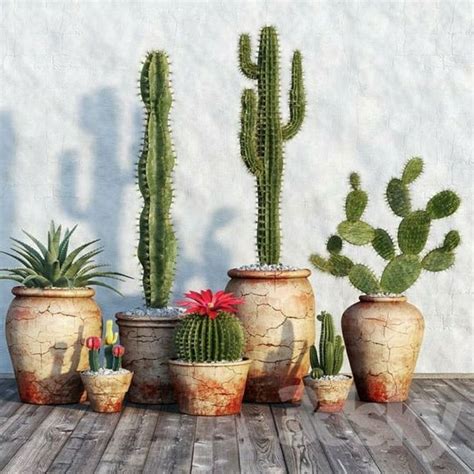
[{"x": 431, "y": 432}]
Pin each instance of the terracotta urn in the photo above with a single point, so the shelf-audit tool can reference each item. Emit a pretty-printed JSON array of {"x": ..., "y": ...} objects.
[
  {"x": 107, "y": 392},
  {"x": 278, "y": 319},
  {"x": 45, "y": 329},
  {"x": 209, "y": 388},
  {"x": 331, "y": 393},
  {"x": 149, "y": 343},
  {"x": 383, "y": 336}
]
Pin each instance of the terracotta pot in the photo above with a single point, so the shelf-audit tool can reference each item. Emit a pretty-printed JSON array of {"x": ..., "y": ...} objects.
[
  {"x": 383, "y": 337},
  {"x": 209, "y": 389},
  {"x": 107, "y": 392},
  {"x": 45, "y": 329},
  {"x": 331, "y": 395},
  {"x": 278, "y": 319},
  {"x": 149, "y": 345}
]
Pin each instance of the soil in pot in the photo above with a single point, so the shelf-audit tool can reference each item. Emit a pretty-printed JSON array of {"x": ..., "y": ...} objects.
[
  {"x": 278, "y": 319},
  {"x": 331, "y": 392},
  {"x": 383, "y": 337},
  {"x": 45, "y": 329},
  {"x": 209, "y": 389}
]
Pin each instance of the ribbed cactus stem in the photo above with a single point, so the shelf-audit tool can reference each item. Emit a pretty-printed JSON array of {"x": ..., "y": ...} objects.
[
  {"x": 94, "y": 362},
  {"x": 116, "y": 363},
  {"x": 157, "y": 246},
  {"x": 262, "y": 133}
]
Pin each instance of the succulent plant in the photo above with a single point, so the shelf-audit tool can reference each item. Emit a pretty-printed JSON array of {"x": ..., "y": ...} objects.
[
  {"x": 262, "y": 133},
  {"x": 331, "y": 350},
  {"x": 93, "y": 344},
  {"x": 157, "y": 247},
  {"x": 53, "y": 265},
  {"x": 404, "y": 264},
  {"x": 209, "y": 332}
]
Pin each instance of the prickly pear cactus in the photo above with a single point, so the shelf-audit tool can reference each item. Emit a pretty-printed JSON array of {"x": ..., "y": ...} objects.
[
  {"x": 405, "y": 264},
  {"x": 157, "y": 245},
  {"x": 263, "y": 134}
]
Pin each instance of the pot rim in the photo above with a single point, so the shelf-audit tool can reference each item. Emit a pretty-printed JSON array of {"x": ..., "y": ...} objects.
[
  {"x": 269, "y": 275},
  {"x": 119, "y": 375},
  {"x": 382, "y": 298},
  {"x": 147, "y": 321},
  {"x": 83, "y": 292},
  {"x": 182, "y": 363}
]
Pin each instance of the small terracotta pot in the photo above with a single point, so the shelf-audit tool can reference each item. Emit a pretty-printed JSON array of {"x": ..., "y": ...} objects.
[
  {"x": 209, "y": 389},
  {"x": 107, "y": 392},
  {"x": 149, "y": 345},
  {"x": 278, "y": 319},
  {"x": 45, "y": 329},
  {"x": 331, "y": 395},
  {"x": 383, "y": 337}
]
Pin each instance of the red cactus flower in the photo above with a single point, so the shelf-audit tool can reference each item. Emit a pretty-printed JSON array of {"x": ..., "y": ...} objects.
[
  {"x": 118, "y": 350},
  {"x": 210, "y": 304},
  {"x": 93, "y": 343}
]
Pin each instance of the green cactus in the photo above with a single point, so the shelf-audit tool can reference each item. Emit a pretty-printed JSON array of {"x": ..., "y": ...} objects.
[
  {"x": 404, "y": 265},
  {"x": 157, "y": 245},
  {"x": 262, "y": 133},
  {"x": 331, "y": 350},
  {"x": 202, "y": 339},
  {"x": 94, "y": 360}
]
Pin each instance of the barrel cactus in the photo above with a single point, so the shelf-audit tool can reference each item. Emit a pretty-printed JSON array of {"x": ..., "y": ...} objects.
[
  {"x": 331, "y": 350},
  {"x": 405, "y": 258},
  {"x": 209, "y": 332},
  {"x": 157, "y": 247},
  {"x": 262, "y": 133}
]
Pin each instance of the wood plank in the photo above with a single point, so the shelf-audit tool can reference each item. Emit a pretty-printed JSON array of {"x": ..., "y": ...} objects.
[
  {"x": 301, "y": 447},
  {"x": 464, "y": 386},
  {"x": 344, "y": 450},
  {"x": 127, "y": 449},
  {"x": 443, "y": 420},
  {"x": 259, "y": 447},
  {"x": 83, "y": 450},
  {"x": 37, "y": 454},
  {"x": 171, "y": 448},
  {"x": 9, "y": 401},
  {"x": 215, "y": 445}
]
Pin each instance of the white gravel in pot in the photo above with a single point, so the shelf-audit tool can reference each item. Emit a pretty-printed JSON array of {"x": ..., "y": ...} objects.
[
  {"x": 274, "y": 267},
  {"x": 168, "y": 312},
  {"x": 327, "y": 378},
  {"x": 102, "y": 372}
]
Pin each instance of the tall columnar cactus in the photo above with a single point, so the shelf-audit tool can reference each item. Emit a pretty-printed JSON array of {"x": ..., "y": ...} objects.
[
  {"x": 331, "y": 350},
  {"x": 157, "y": 246},
  {"x": 404, "y": 265},
  {"x": 262, "y": 133}
]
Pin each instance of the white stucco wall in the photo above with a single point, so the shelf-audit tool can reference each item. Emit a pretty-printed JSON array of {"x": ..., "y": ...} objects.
[{"x": 385, "y": 81}]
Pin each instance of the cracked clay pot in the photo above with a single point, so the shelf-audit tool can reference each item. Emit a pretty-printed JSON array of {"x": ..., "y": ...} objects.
[
  {"x": 209, "y": 388},
  {"x": 149, "y": 345},
  {"x": 278, "y": 319},
  {"x": 45, "y": 329},
  {"x": 383, "y": 336},
  {"x": 331, "y": 394}
]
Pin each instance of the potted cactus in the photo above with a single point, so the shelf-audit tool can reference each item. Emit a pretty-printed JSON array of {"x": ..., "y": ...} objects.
[
  {"x": 52, "y": 313},
  {"x": 106, "y": 386},
  {"x": 209, "y": 373},
  {"x": 383, "y": 332},
  {"x": 278, "y": 308},
  {"x": 148, "y": 332},
  {"x": 330, "y": 387}
]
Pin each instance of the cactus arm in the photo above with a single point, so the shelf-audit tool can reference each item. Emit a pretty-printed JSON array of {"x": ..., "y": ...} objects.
[
  {"x": 247, "y": 66},
  {"x": 248, "y": 143},
  {"x": 364, "y": 279},
  {"x": 297, "y": 101},
  {"x": 338, "y": 354},
  {"x": 413, "y": 232},
  {"x": 116, "y": 364},
  {"x": 400, "y": 273},
  {"x": 322, "y": 340},
  {"x": 329, "y": 358},
  {"x": 443, "y": 204},
  {"x": 313, "y": 357},
  {"x": 109, "y": 358},
  {"x": 412, "y": 170},
  {"x": 383, "y": 244}
]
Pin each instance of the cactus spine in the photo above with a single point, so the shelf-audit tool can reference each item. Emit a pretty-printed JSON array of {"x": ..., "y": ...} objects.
[
  {"x": 331, "y": 350},
  {"x": 157, "y": 246},
  {"x": 262, "y": 133},
  {"x": 404, "y": 265},
  {"x": 202, "y": 339}
]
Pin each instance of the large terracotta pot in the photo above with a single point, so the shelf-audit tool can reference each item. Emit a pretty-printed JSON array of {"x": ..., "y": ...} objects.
[
  {"x": 45, "y": 329},
  {"x": 209, "y": 389},
  {"x": 278, "y": 319},
  {"x": 331, "y": 394},
  {"x": 107, "y": 392},
  {"x": 149, "y": 345},
  {"x": 383, "y": 336}
]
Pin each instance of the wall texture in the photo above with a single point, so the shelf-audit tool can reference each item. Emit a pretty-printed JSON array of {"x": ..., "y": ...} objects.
[{"x": 385, "y": 81}]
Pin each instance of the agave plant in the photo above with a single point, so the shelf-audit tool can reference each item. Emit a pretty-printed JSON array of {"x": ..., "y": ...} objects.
[{"x": 52, "y": 265}]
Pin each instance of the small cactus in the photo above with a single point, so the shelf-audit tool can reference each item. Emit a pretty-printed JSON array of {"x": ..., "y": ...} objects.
[
  {"x": 117, "y": 353},
  {"x": 404, "y": 265},
  {"x": 93, "y": 343},
  {"x": 112, "y": 354},
  {"x": 331, "y": 350},
  {"x": 109, "y": 340}
]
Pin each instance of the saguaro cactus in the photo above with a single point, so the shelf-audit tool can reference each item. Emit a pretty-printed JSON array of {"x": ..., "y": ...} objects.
[
  {"x": 262, "y": 133},
  {"x": 157, "y": 246}
]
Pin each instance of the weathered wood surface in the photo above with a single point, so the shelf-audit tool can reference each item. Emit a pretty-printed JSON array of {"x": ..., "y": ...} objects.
[{"x": 431, "y": 432}]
